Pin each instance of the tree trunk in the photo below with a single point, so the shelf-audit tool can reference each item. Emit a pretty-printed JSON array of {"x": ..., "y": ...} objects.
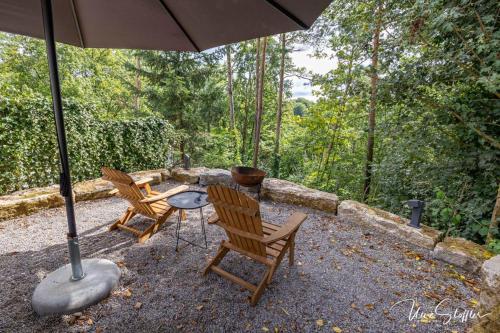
[
  {"x": 230, "y": 87},
  {"x": 280, "y": 108},
  {"x": 494, "y": 220},
  {"x": 373, "y": 104},
  {"x": 258, "y": 115},
  {"x": 138, "y": 84},
  {"x": 257, "y": 75},
  {"x": 244, "y": 130}
]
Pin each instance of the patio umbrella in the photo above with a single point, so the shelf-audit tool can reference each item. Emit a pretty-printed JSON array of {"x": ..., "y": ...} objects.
[{"x": 173, "y": 25}]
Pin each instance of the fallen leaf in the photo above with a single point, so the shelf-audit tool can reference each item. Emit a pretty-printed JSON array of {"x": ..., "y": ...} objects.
[
  {"x": 71, "y": 320},
  {"x": 265, "y": 329},
  {"x": 90, "y": 321},
  {"x": 473, "y": 302},
  {"x": 432, "y": 295},
  {"x": 336, "y": 329},
  {"x": 199, "y": 307},
  {"x": 127, "y": 293},
  {"x": 320, "y": 322},
  {"x": 138, "y": 305},
  {"x": 369, "y": 306},
  {"x": 285, "y": 311}
]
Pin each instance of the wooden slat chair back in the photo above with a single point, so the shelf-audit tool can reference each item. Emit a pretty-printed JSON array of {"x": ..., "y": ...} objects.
[
  {"x": 128, "y": 190},
  {"x": 151, "y": 204},
  {"x": 239, "y": 215},
  {"x": 240, "y": 212}
]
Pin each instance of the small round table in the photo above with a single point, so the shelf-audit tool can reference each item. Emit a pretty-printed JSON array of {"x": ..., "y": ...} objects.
[{"x": 189, "y": 200}]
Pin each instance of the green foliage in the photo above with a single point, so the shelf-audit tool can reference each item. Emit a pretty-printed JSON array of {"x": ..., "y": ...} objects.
[
  {"x": 95, "y": 76},
  {"x": 494, "y": 246},
  {"x": 443, "y": 213},
  {"x": 29, "y": 149}
]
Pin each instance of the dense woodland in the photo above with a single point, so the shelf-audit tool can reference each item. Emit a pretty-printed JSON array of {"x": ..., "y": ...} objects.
[{"x": 410, "y": 110}]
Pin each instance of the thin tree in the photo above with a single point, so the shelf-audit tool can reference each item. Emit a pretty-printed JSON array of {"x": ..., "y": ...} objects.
[
  {"x": 494, "y": 218},
  {"x": 257, "y": 71},
  {"x": 279, "y": 111},
  {"x": 230, "y": 87},
  {"x": 138, "y": 84},
  {"x": 246, "y": 109},
  {"x": 373, "y": 102},
  {"x": 260, "y": 94}
]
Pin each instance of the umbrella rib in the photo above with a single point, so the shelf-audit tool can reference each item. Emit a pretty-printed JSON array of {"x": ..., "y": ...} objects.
[
  {"x": 164, "y": 5},
  {"x": 287, "y": 13},
  {"x": 77, "y": 22}
]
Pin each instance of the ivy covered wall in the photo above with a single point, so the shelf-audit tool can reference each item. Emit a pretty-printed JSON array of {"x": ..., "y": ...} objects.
[{"x": 28, "y": 144}]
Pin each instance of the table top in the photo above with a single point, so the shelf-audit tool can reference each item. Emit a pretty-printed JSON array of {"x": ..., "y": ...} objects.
[{"x": 188, "y": 200}]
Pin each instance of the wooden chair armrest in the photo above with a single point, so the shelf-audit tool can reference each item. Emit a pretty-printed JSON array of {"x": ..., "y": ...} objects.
[
  {"x": 165, "y": 195},
  {"x": 143, "y": 182},
  {"x": 113, "y": 192},
  {"x": 213, "y": 219},
  {"x": 239, "y": 232},
  {"x": 292, "y": 224}
]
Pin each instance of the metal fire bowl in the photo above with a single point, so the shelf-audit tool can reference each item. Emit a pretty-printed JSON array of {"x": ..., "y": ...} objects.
[{"x": 246, "y": 176}]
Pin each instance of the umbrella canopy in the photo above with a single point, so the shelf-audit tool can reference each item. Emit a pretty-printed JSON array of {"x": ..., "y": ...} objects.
[{"x": 176, "y": 25}]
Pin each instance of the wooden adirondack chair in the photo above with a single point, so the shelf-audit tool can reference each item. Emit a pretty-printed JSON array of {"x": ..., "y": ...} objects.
[
  {"x": 248, "y": 235},
  {"x": 151, "y": 204}
]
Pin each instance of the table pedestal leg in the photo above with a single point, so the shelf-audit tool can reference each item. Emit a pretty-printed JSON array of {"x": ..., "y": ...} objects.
[
  {"x": 178, "y": 231},
  {"x": 203, "y": 227}
]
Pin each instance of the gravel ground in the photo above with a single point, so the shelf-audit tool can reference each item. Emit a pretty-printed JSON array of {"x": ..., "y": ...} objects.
[{"x": 345, "y": 279}]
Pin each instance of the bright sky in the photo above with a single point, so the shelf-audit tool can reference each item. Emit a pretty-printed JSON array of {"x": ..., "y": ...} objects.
[{"x": 302, "y": 58}]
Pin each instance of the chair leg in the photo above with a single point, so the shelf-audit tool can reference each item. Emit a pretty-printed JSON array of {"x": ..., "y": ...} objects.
[
  {"x": 148, "y": 232},
  {"x": 291, "y": 254},
  {"x": 277, "y": 262},
  {"x": 260, "y": 288},
  {"x": 221, "y": 253},
  {"x": 152, "y": 229},
  {"x": 124, "y": 219},
  {"x": 183, "y": 215}
]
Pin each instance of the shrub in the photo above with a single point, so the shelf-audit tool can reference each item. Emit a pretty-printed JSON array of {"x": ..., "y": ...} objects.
[{"x": 28, "y": 144}]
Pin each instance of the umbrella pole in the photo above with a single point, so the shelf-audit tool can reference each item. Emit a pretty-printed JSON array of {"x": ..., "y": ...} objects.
[
  {"x": 65, "y": 177},
  {"x": 68, "y": 289}
]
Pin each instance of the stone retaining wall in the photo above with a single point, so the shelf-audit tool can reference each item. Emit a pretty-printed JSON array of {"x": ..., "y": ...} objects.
[
  {"x": 456, "y": 251},
  {"x": 30, "y": 201},
  {"x": 370, "y": 217},
  {"x": 489, "y": 299},
  {"x": 287, "y": 192}
]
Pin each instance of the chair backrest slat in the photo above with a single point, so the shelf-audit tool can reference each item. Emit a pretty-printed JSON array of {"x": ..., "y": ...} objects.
[
  {"x": 239, "y": 211},
  {"x": 128, "y": 190}
]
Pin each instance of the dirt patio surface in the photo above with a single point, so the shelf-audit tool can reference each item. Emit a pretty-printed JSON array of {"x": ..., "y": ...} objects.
[{"x": 345, "y": 278}]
